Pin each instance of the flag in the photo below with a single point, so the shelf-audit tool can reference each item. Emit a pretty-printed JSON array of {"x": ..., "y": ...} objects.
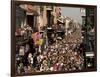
[
  {"x": 39, "y": 42},
  {"x": 37, "y": 38}
]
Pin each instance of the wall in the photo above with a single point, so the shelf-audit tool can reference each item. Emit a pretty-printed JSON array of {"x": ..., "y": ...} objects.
[{"x": 5, "y": 19}]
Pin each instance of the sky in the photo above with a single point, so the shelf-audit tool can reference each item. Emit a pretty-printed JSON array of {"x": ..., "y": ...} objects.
[{"x": 74, "y": 13}]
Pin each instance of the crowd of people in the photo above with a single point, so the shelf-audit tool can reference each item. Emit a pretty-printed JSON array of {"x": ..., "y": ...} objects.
[
  {"x": 45, "y": 52},
  {"x": 61, "y": 55},
  {"x": 57, "y": 57}
]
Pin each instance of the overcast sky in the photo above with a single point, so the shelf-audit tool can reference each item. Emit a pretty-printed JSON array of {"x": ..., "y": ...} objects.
[{"x": 72, "y": 12}]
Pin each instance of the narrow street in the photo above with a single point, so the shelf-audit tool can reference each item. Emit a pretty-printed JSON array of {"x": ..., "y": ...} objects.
[{"x": 48, "y": 41}]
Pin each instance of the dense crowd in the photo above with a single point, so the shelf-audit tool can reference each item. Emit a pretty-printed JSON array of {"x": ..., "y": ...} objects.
[{"x": 59, "y": 56}]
